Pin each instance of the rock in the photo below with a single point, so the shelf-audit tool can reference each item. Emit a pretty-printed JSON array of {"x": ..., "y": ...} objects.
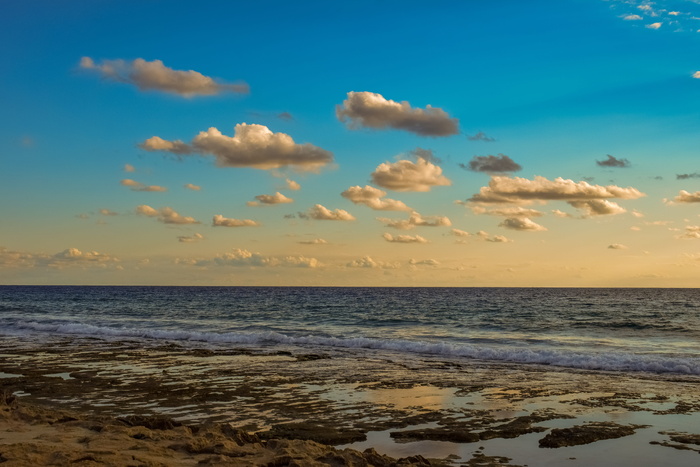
[
  {"x": 153, "y": 422},
  {"x": 586, "y": 434},
  {"x": 319, "y": 433}
]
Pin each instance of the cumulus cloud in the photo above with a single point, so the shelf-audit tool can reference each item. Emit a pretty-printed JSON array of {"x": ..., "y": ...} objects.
[
  {"x": 405, "y": 175},
  {"x": 252, "y": 145},
  {"x": 373, "y": 198},
  {"x": 416, "y": 220},
  {"x": 612, "y": 161},
  {"x": 632, "y": 18},
  {"x": 192, "y": 187},
  {"x": 598, "y": 207},
  {"x": 368, "y": 262},
  {"x": 521, "y": 223},
  {"x": 191, "y": 238},
  {"x": 404, "y": 238},
  {"x": 653, "y": 26},
  {"x": 481, "y": 136},
  {"x": 617, "y": 246},
  {"x": 516, "y": 190},
  {"x": 492, "y": 238},
  {"x": 691, "y": 231},
  {"x": 423, "y": 262},
  {"x": 687, "y": 176},
  {"x": 269, "y": 200},
  {"x": 322, "y": 213},
  {"x": 129, "y": 168},
  {"x": 492, "y": 164},
  {"x": 460, "y": 233},
  {"x": 148, "y": 76},
  {"x": 165, "y": 215},
  {"x": 426, "y": 154},
  {"x": 685, "y": 197},
  {"x": 221, "y": 221},
  {"x": 292, "y": 185},
  {"x": 66, "y": 258},
  {"x": 107, "y": 212},
  {"x": 241, "y": 258},
  {"x": 696, "y": 75},
  {"x": 515, "y": 211},
  {"x": 315, "y": 241},
  {"x": 372, "y": 110},
  {"x": 137, "y": 186}
]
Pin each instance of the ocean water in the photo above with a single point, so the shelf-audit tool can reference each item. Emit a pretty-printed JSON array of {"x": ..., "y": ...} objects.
[{"x": 628, "y": 330}]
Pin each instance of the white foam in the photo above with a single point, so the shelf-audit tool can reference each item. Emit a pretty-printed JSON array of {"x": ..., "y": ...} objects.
[{"x": 617, "y": 361}]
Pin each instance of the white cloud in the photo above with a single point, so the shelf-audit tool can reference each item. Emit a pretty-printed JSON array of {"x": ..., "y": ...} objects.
[
  {"x": 192, "y": 187},
  {"x": 368, "y": 262},
  {"x": 107, "y": 212},
  {"x": 165, "y": 215},
  {"x": 322, "y": 213},
  {"x": 515, "y": 211},
  {"x": 252, "y": 145},
  {"x": 315, "y": 241},
  {"x": 522, "y": 223},
  {"x": 416, "y": 220},
  {"x": 372, "y": 110},
  {"x": 598, "y": 207},
  {"x": 221, "y": 221},
  {"x": 404, "y": 238},
  {"x": 460, "y": 233},
  {"x": 685, "y": 197},
  {"x": 691, "y": 231},
  {"x": 617, "y": 246},
  {"x": 373, "y": 198},
  {"x": 137, "y": 186},
  {"x": 653, "y": 26},
  {"x": 516, "y": 190},
  {"x": 241, "y": 258},
  {"x": 269, "y": 200},
  {"x": 492, "y": 238},
  {"x": 292, "y": 185},
  {"x": 405, "y": 175},
  {"x": 129, "y": 168},
  {"x": 423, "y": 262},
  {"x": 156, "y": 76},
  {"x": 66, "y": 258},
  {"x": 632, "y": 18},
  {"x": 190, "y": 239}
]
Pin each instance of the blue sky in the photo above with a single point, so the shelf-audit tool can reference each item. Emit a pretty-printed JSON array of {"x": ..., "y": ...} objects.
[{"x": 556, "y": 85}]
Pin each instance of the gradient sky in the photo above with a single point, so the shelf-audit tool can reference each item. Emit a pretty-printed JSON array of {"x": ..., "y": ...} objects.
[{"x": 489, "y": 143}]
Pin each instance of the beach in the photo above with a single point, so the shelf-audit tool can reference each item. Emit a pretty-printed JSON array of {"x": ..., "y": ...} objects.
[{"x": 86, "y": 401}]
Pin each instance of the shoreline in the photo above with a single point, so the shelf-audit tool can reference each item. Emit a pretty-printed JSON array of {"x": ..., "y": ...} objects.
[{"x": 449, "y": 411}]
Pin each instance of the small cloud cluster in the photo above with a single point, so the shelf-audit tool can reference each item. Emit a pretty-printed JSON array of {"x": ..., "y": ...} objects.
[
  {"x": 156, "y": 76},
  {"x": 426, "y": 154},
  {"x": 416, "y": 220},
  {"x": 368, "y": 262},
  {"x": 66, "y": 258},
  {"x": 521, "y": 223},
  {"x": 107, "y": 212},
  {"x": 481, "y": 136},
  {"x": 165, "y": 215},
  {"x": 687, "y": 176},
  {"x": 405, "y": 175},
  {"x": 492, "y": 164},
  {"x": 481, "y": 235},
  {"x": 684, "y": 197},
  {"x": 191, "y": 238},
  {"x": 137, "y": 186},
  {"x": 292, "y": 185},
  {"x": 269, "y": 200},
  {"x": 242, "y": 258},
  {"x": 322, "y": 213},
  {"x": 612, "y": 161},
  {"x": 373, "y": 198},
  {"x": 617, "y": 246},
  {"x": 221, "y": 221},
  {"x": 129, "y": 168},
  {"x": 691, "y": 231},
  {"x": 423, "y": 262},
  {"x": 192, "y": 187},
  {"x": 315, "y": 241},
  {"x": 252, "y": 145},
  {"x": 372, "y": 110},
  {"x": 404, "y": 238}
]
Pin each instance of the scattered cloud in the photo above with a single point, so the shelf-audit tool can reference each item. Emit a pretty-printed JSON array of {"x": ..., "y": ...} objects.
[
  {"x": 221, "y": 221},
  {"x": 687, "y": 176},
  {"x": 66, "y": 258},
  {"x": 372, "y": 110},
  {"x": 292, "y": 185},
  {"x": 522, "y": 224},
  {"x": 107, "y": 212},
  {"x": 515, "y": 211},
  {"x": 481, "y": 136},
  {"x": 83, "y": 215},
  {"x": 148, "y": 76},
  {"x": 426, "y": 154},
  {"x": 598, "y": 207},
  {"x": 165, "y": 215},
  {"x": 691, "y": 231},
  {"x": 492, "y": 238},
  {"x": 617, "y": 246},
  {"x": 613, "y": 162},
  {"x": 373, "y": 198},
  {"x": 653, "y": 26},
  {"x": 685, "y": 197},
  {"x": 322, "y": 213},
  {"x": 423, "y": 262},
  {"x": 632, "y": 18},
  {"x": 137, "y": 186},
  {"x": 416, "y": 220},
  {"x": 269, "y": 200},
  {"x": 129, "y": 168},
  {"x": 516, "y": 190},
  {"x": 404, "y": 238},
  {"x": 405, "y": 175},
  {"x": 252, "y": 145},
  {"x": 285, "y": 116},
  {"x": 562, "y": 214},
  {"x": 492, "y": 164},
  {"x": 696, "y": 75},
  {"x": 368, "y": 262},
  {"x": 190, "y": 239},
  {"x": 315, "y": 241},
  {"x": 459, "y": 233},
  {"x": 241, "y": 258},
  {"x": 192, "y": 187}
]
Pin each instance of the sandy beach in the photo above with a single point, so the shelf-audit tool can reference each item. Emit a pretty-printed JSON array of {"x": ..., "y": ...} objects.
[{"x": 89, "y": 402}]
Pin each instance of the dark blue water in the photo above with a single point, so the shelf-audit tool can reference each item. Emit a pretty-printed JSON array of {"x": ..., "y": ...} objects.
[{"x": 655, "y": 330}]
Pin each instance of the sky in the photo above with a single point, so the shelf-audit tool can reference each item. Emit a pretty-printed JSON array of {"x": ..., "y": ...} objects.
[{"x": 369, "y": 143}]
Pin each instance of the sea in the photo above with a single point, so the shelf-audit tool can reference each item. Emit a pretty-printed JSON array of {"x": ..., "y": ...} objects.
[{"x": 625, "y": 330}]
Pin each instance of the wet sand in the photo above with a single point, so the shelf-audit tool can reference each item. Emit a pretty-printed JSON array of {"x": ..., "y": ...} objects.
[{"x": 169, "y": 404}]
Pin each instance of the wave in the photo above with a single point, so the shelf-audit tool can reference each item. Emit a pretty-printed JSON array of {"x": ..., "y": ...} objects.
[{"x": 580, "y": 360}]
